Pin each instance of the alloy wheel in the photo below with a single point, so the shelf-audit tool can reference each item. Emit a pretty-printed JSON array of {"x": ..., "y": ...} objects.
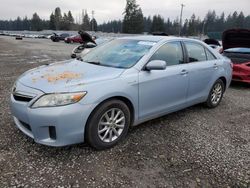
[
  {"x": 111, "y": 125},
  {"x": 216, "y": 94}
]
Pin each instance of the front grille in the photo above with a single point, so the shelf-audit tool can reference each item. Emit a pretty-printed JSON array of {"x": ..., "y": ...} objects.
[
  {"x": 22, "y": 98},
  {"x": 25, "y": 125}
]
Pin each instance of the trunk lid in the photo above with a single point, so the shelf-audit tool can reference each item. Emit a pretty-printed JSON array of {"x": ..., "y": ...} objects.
[{"x": 236, "y": 38}]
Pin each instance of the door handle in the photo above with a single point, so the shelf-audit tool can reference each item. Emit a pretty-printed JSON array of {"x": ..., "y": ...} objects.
[
  {"x": 184, "y": 72},
  {"x": 215, "y": 66}
]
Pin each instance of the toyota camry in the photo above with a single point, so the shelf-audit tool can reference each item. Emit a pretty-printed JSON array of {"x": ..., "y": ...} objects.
[{"x": 122, "y": 83}]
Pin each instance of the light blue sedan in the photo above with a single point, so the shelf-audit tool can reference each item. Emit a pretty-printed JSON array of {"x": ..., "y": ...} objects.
[{"x": 119, "y": 84}]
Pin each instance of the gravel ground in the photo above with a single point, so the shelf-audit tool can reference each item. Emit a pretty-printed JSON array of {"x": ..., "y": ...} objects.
[{"x": 195, "y": 147}]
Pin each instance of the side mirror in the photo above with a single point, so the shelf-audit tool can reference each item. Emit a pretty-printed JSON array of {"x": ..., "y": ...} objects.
[{"x": 156, "y": 65}]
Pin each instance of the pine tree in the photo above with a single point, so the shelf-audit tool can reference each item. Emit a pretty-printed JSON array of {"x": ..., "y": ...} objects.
[
  {"x": 147, "y": 22},
  {"x": 240, "y": 20},
  {"x": 86, "y": 22},
  {"x": 36, "y": 23},
  {"x": 26, "y": 23},
  {"x": 93, "y": 24},
  {"x": 58, "y": 18},
  {"x": 70, "y": 18},
  {"x": 158, "y": 24},
  {"x": 52, "y": 24},
  {"x": 133, "y": 18},
  {"x": 65, "y": 25}
]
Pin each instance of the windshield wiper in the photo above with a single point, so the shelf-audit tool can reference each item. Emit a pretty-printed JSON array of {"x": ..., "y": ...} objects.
[{"x": 93, "y": 62}]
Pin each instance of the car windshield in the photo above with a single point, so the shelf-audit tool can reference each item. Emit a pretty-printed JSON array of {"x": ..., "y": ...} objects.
[
  {"x": 100, "y": 41},
  {"x": 120, "y": 53}
]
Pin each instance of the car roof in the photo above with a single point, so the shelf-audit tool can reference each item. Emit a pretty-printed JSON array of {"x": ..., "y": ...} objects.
[
  {"x": 148, "y": 38},
  {"x": 153, "y": 38}
]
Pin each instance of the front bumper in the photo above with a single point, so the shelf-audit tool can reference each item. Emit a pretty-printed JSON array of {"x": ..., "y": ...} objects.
[{"x": 54, "y": 126}]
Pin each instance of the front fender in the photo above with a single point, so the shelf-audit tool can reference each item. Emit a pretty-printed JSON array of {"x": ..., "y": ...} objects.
[{"x": 120, "y": 87}]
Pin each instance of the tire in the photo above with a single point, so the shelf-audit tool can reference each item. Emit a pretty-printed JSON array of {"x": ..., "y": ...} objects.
[
  {"x": 99, "y": 126},
  {"x": 216, "y": 94}
]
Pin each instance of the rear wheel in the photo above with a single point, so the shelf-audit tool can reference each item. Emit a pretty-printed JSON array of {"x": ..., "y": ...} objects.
[
  {"x": 108, "y": 124},
  {"x": 216, "y": 94}
]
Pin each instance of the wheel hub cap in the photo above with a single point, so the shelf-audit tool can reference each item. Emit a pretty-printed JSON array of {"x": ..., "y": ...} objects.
[
  {"x": 111, "y": 125},
  {"x": 216, "y": 94}
]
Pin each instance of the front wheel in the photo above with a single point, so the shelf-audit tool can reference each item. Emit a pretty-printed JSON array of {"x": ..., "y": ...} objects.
[
  {"x": 216, "y": 94},
  {"x": 108, "y": 124}
]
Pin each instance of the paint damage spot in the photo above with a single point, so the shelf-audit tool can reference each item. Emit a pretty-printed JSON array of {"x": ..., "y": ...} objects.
[
  {"x": 62, "y": 76},
  {"x": 52, "y": 78}
]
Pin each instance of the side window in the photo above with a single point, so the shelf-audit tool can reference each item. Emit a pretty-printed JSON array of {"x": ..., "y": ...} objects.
[
  {"x": 170, "y": 52},
  {"x": 210, "y": 56},
  {"x": 196, "y": 52}
]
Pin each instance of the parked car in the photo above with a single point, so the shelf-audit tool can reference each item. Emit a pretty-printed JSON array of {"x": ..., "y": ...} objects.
[
  {"x": 19, "y": 37},
  {"x": 73, "y": 39},
  {"x": 215, "y": 44},
  {"x": 57, "y": 38},
  {"x": 116, "y": 85},
  {"x": 236, "y": 46},
  {"x": 85, "y": 48}
]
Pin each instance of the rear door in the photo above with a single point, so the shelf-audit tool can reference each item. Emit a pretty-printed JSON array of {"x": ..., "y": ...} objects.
[
  {"x": 161, "y": 91},
  {"x": 202, "y": 69}
]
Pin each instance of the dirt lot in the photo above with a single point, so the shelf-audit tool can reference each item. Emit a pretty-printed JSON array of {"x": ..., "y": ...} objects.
[{"x": 195, "y": 147}]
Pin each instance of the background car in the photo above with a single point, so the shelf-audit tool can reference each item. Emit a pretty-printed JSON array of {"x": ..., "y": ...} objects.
[
  {"x": 215, "y": 44},
  {"x": 57, "y": 38},
  {"x": 73, "y": 39},
  {"x": 236, "y": 46},
  {"x": 85, "y": 48},
  {"x": 19, "y": 37}
]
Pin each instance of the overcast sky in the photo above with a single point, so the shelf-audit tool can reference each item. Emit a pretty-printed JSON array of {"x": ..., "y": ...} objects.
[{"x": 112, "y": 9}]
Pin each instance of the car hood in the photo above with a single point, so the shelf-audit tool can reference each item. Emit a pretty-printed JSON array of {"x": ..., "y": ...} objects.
[
  {"x": 236, "y": 38},
  {"x": 67, "y": 76}
]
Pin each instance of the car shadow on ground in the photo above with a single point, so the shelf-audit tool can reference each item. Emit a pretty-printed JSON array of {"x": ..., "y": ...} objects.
[{"x": 239, "y": 85}]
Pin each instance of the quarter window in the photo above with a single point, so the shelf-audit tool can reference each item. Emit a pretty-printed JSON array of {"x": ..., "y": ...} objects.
[
  {"x": 210, "y": 56},
  {"x": 196, "y": 52},
  {"x": 170, "y": 52}
]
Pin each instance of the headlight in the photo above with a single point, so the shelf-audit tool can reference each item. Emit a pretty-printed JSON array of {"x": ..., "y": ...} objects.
[{"x": 58, "y": 99}]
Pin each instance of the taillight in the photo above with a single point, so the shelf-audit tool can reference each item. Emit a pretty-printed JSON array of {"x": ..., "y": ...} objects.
[{"x": 232, "y": 65}]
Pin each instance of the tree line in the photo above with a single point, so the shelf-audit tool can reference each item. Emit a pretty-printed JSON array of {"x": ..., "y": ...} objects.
[
  {"x": 133, "y": 22},
  {"x": 57, "y": 21}
]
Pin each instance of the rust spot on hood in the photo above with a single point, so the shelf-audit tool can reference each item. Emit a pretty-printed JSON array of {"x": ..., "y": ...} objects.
[
  {"x": 66, "y": 75},
  {"x": 54, "y": 77}
]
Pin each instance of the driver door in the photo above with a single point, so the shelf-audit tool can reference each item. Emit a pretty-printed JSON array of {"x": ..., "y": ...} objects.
[{"x": 163, "y": 91}]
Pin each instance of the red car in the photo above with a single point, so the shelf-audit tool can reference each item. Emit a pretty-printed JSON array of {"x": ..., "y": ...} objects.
[
  {"x": 73, "y": 39},
  {"x": 236, "y": 46}
]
